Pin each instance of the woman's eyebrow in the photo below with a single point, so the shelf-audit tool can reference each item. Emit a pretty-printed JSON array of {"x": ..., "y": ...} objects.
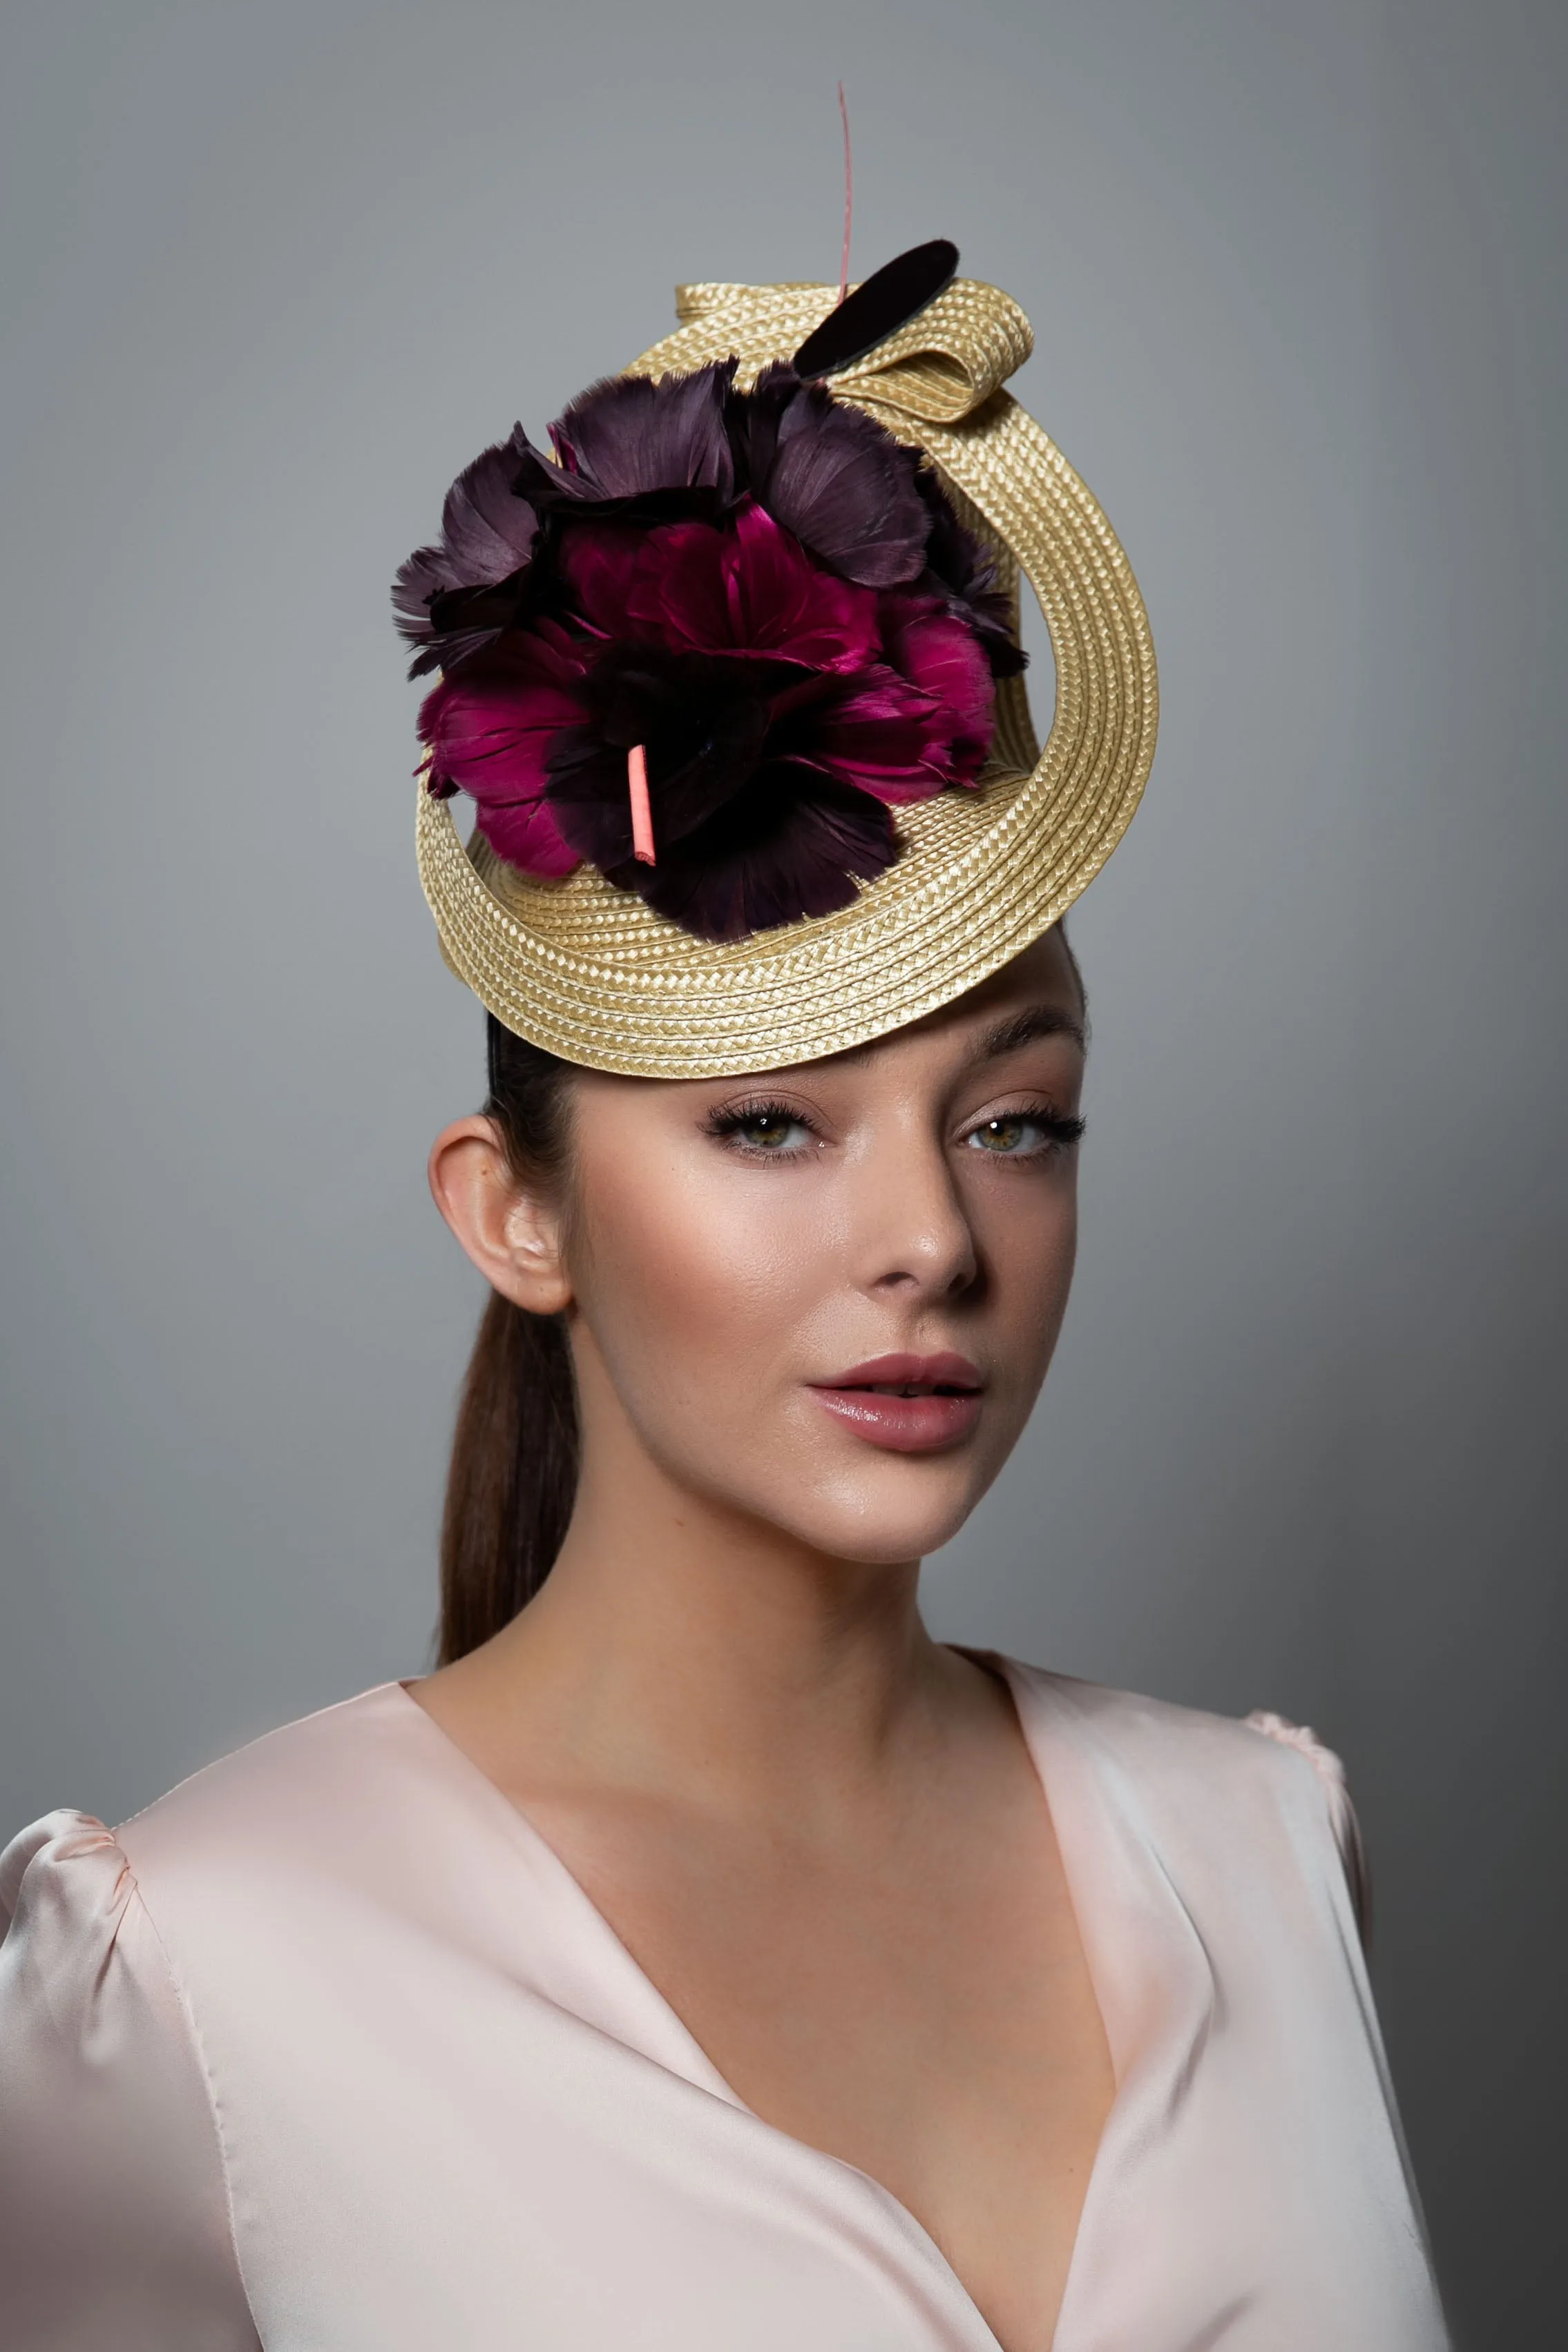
[
  {"x": 1024, "y": 1028},
  {"x": 1004, "y": 1037}
]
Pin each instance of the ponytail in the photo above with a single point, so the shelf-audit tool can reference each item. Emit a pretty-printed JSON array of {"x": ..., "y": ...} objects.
[{"x": 513, "y": 1475}]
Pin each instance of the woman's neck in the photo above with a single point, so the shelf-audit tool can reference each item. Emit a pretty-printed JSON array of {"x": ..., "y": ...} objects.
[{"x": 683, "y": 1649}]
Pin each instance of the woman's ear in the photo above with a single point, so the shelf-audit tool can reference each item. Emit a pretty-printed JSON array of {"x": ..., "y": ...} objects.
[{"x": 513, "y": 1236}]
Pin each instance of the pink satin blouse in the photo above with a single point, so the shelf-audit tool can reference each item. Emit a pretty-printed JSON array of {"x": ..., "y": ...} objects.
[{"x": 326, "y": 2052}]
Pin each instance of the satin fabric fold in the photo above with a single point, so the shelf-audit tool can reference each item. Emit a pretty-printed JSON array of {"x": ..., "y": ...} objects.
[{"x": 327, "y": 2049}]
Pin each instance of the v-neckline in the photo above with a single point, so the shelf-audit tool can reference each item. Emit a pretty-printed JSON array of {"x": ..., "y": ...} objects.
[{"x": 1146, "y": 1967}]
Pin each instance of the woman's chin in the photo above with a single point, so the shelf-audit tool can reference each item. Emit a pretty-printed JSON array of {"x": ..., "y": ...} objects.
[
  {"x": 843, "y": 1498},
  {"x": 881, "y": 1526}
]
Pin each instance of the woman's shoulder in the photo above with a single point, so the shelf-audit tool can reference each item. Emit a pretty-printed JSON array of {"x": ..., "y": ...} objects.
[
  {"x": 307, "y": 1789},
  {"x": 312, "y": 1778},
  {"x": 1163, "y": 1735},
  {"x": 1229, "y": 1784}
]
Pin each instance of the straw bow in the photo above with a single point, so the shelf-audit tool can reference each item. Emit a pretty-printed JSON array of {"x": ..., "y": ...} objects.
[{"x": 939, "y": 369}]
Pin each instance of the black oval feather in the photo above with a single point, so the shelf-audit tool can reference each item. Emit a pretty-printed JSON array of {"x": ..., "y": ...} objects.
[{"x": 888, "y": 301}]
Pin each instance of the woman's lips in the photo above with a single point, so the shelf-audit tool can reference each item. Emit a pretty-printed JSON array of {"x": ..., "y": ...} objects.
[{"x": 907, "y": 1404}]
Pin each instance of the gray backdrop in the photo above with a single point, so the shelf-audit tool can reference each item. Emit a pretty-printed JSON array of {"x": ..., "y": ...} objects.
[{"x": 274, "y": 272}]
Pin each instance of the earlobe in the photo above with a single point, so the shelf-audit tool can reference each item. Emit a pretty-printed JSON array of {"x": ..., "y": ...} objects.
[{"x": 512, "y": 1235}]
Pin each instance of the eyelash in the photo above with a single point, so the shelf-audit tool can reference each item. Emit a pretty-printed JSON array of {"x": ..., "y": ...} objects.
[{"x": 727, "y": 1125}]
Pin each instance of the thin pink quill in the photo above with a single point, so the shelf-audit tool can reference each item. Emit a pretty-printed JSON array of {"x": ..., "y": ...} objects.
[
  {"x": 642, "y": 812},
  {"x": 849, "y": 195}
]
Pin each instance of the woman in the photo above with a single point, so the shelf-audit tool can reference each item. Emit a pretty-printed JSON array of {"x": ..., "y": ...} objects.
[{"x": 701, "y": 1956}]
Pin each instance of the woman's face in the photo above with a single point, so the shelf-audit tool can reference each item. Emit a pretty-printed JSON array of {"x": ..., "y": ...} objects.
[{"x": 826, "y": 1297}]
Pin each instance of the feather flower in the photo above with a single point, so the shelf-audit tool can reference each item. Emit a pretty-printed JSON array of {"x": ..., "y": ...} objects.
[{"x": 763, "y": 593}]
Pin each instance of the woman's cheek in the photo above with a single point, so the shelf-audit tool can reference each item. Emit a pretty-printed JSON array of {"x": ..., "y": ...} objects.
[
  {"x": 1029, "y": 1246},
  {"x": 697, "y": 1282}
]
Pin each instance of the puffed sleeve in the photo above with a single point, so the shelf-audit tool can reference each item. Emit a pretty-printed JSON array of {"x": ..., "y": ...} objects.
[
  {"x": 115, "y": 2221},
  {"x": 1342, "y": 1811}
]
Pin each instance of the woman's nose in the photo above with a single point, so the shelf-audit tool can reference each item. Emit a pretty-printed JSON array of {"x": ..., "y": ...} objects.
[{"x": 912, "y": 1232}]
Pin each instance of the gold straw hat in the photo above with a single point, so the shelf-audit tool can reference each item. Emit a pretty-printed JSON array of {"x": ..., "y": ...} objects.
[{"x": 590, "y": 971}]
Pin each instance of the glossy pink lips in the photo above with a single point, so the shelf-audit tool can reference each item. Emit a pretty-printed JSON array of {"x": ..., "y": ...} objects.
[{"x": 907, "y": 1404}]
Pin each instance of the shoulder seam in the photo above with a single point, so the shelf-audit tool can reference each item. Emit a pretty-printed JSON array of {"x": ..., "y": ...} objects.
[
  {"x": 1328, "y": 1774},
  {"x": 198, "y": 2045}
]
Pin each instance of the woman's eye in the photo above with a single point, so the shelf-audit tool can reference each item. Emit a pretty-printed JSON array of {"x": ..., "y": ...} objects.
[
  {"x": 1022, "y": 1134},
  {"x": 776, "y": 1134},
  {"x": 770, "y": 1131}
]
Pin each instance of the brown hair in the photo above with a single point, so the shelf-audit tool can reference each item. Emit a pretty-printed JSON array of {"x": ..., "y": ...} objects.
[{"x": 514, "y": 1477}]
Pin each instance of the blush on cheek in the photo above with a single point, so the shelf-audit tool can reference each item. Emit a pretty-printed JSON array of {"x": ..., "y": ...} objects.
[
  {"x": 1028, "y": 1248},
  {"x": 695, "y": 1277}
]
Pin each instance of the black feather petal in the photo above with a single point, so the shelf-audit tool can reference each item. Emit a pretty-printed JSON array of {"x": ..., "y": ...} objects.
[
  {"x": 887, "y": 300},
  {"x": 792, "y": 845},
  {"x": 701, "y": 720}
]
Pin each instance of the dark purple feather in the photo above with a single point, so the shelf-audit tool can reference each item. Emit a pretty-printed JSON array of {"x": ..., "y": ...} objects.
[
  {"x": 487, "y": 531},
  {"x": 487, "y": 536},
  {"x": 847, "y": 490},
  {"x": 792, "y": 846},
  {"x": 630, "y": 435},
  {"x": 701, "y": 721},
  {"x": 833, "y": 476},
  {"x": 419, "y": 580},
  {"x": 963, "y": 574}
]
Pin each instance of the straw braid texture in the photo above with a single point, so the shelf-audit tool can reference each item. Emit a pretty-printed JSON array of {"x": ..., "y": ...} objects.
[{"x": 593, "y": 974}]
